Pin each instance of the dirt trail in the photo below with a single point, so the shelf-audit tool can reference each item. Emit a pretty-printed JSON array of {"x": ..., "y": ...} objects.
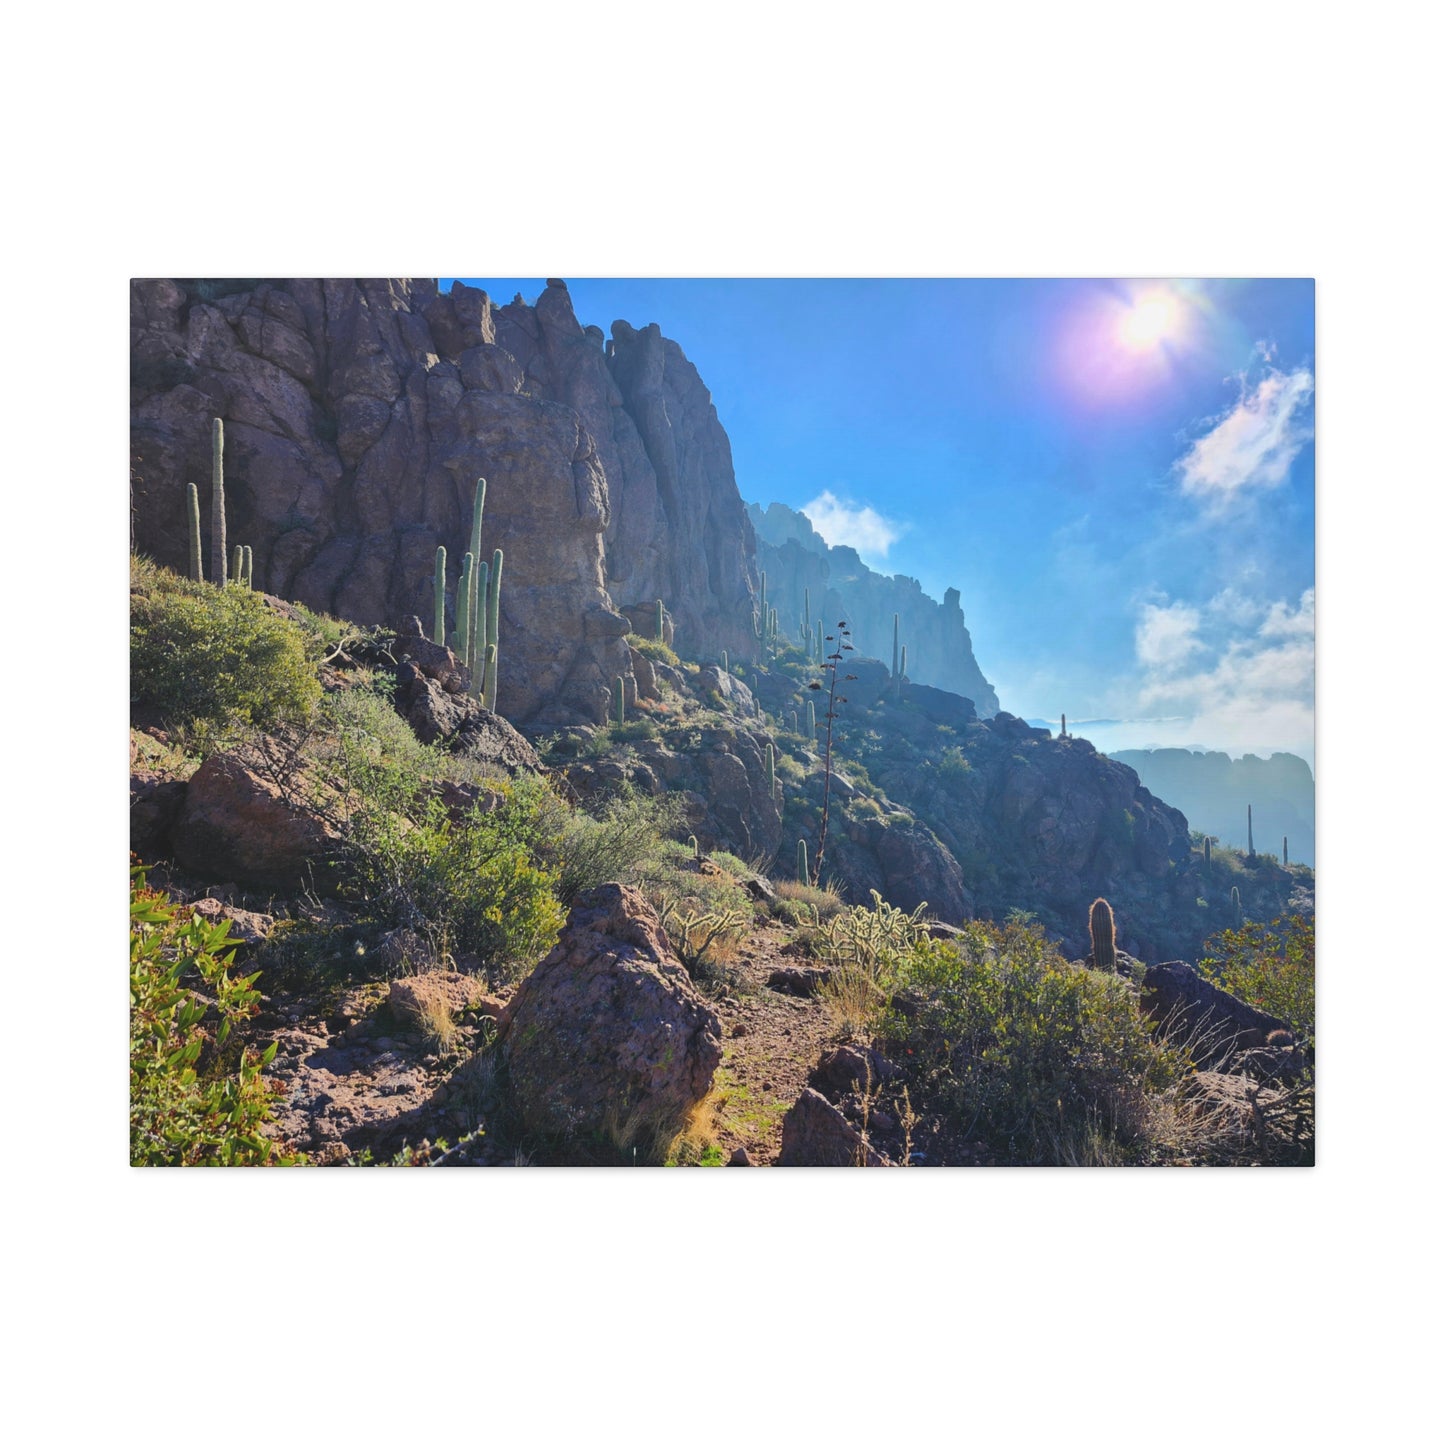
[{"x": 771, "y": 1041}]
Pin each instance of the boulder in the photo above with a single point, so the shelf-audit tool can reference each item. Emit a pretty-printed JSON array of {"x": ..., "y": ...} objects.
[
  {"x": 246, "y": 927},
  {"x": 800, "y": 982},
  {"x": 155, "y": 804},
  {"x": 236, "y": 824},
  {"x": 415, "y": 997},
  {"x": 851, "y": 1069},
  {"x": 815, "y": 1134},
  {"x": 607, "y": 1034},
  {"x": 1191, "y": 1010}
]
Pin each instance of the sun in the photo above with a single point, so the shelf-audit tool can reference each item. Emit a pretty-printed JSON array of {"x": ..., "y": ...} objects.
[{"x": 1151, "y": 319}]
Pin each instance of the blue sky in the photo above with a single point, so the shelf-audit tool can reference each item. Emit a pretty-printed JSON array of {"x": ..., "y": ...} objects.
[{"x": 1118, "y": 476}]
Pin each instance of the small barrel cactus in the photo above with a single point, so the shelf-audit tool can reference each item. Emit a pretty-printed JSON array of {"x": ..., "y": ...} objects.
[{"x": 1101, "y": 934}]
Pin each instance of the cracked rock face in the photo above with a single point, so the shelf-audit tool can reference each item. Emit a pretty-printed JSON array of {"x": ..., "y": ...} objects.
[{"x": 359, "y": 414}]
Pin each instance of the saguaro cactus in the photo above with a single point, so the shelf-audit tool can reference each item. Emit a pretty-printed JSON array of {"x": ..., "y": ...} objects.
[
  {"x": 489, "y": 671},
  {"x": 193, "y": 514},
  {"x": 803, "y": 862},
  {"x": 464, "y": 606},
  {"x": 238, "y": 556},
  {"x": 772, "y": 775},
  {"x": 621, "y": 705},
  {"x": 246, "y": 562},
  {"x": 1237, "y": 904},
  {"x": 1101, "y": 934},
  {"x": 1250, "y": 810},
  {"x": 1208, "y": 857},
  {"x": 659, "y": 619},
  {"x": 439, "y": 599},
  {"x": 218, "y": 503},
  {"x": 1063, "y": 724},
  {"x": 1286, "y": 851},
  {"x": 494, "y": 599},
  {"x": 812, "y": 720},
  {"x": 725, "y": 660},
  {"x": 807, "y": 617}
]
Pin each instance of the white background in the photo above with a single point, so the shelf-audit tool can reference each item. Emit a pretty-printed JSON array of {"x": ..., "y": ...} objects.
[{"x": 1114, "y": 140}]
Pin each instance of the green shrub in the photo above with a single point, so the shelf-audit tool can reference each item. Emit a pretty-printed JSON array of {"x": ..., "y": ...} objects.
[
  {"x": 192, "y": 1100},
  {"x": 1004, "y": 1036},
  {"x": 622, "y": 843},
  {"x": 214, "y": 657},
  {"x": 651, "y": 648},
  {"x": 1271, "y": 967},
  {"x": 954, "y": 768},
  {"x": 483, "y": 885}
]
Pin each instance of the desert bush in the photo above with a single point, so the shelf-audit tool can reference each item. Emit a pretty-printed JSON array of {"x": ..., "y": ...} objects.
[
  {"x": 802, "y": 902},
  {"x": 484, "y": 885},
  {"x": 652, "y": 649},
  {"x": 621, "y": 843},
  {"x": 192, "y": 1099},
  {"x": 1048, "y": 1062},
  {"x": 214, "y": 657},
  {"x": 1271, "y": 967},
  {"x": 954, "y": 768}
]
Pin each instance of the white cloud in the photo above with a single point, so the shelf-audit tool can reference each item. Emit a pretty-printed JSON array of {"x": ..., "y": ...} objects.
[
  {"x": 1165, "y": 637},
  {"x": 842, "y": 524},
  {"x": 1252, "y": 686},
  {"x": 1254, "y": 444}
]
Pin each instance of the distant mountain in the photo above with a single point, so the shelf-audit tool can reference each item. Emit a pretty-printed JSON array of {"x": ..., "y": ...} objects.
[
  {"x": 840, "y": 584},
  {"x": 1214, "y": 791}
]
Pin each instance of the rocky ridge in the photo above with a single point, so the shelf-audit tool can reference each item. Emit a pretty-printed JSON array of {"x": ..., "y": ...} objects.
[
  {"x": 840, "y": 584},
  {"x": 358, "y": 415}
]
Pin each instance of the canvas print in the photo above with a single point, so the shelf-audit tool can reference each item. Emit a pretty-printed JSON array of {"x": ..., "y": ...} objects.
[{"x": 743, "y": 723}]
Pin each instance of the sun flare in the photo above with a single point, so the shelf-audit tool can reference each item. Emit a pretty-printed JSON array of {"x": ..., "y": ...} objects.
[{"x": 1153, "y": 318}]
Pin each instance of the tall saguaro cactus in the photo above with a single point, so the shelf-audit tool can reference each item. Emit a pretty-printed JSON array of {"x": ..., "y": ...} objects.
[
  {"x": 246, "y": 562},
  {"x": 218, "y": 503},
  {"x": 772, "y": 776},
  {"x": 659, "y": 619},
  {"x": 1250, "y": 810},
  {"x": 238, "y": 559},
  {"x": 193, "y": 517},
  {"x": 464, "y": 606},
  {"x": 803, "y": 862},
  {"x": 1237, "y": 905},
  {"x": 1286, "y": 851},
  {"x": 439, "y": 600}
]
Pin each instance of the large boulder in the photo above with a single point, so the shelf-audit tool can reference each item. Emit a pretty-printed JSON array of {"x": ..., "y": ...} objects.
[
  {"x": 1212, "y": 1023},
  {"x": 607, "y": 1034},
  {"x": 815, "y": 1134},
  {"x": 239, "y": 825}
]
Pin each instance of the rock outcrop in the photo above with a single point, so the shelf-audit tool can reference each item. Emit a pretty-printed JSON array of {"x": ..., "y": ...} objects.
[
  {"x": 817, "y": 1135},
  {"x": 358, "y": 415},
  {"x": 841, "y": 584},
  {"x": 237, "y": 825},
  {"x": 1214, "y": 1023},
  {"x": 607, "y": 1034}
]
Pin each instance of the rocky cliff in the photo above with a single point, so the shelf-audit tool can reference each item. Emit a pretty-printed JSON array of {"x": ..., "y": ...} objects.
[
  {"x": 841, "y": 584},
  {"x": 358, "y": 415}
]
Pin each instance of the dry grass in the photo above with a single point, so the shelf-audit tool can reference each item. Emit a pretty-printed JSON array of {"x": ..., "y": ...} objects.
[
  {"x": 855, "y": 1001},
  {"x": 825, "y": 900}
]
